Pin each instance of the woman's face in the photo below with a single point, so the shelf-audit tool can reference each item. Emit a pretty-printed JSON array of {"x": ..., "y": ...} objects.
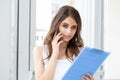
[{"x": 68, "y": 28}]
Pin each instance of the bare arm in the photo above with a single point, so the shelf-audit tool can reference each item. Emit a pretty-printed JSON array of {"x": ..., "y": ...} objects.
[
  {"x": 40, "y": 72},
  {"x": 38, "y": 62},
  {"x": 48, "y": 73}
]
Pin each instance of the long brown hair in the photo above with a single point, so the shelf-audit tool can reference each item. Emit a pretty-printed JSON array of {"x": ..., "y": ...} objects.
[{"x": 76, "y": 41}]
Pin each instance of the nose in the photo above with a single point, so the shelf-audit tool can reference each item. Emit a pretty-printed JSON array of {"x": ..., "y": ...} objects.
[{"x": 68, "y": 31}]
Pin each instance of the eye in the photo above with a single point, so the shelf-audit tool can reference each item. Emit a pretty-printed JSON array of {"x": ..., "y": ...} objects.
[
  {"x": 65, "y": 26},
  {"x": 74, "y": 27}
]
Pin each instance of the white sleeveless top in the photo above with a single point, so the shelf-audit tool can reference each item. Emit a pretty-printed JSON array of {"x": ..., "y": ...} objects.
[{"x": 61, "y": 67}]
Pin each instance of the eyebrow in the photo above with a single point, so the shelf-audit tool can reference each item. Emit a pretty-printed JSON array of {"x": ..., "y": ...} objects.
[{"x": 68, "y": 24}]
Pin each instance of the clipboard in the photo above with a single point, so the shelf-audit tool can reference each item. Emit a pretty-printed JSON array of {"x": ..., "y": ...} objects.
[{"x": 88, "y": 61}]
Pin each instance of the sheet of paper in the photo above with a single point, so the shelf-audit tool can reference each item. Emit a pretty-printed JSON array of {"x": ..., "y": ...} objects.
[{"x": 88, "y": 61}]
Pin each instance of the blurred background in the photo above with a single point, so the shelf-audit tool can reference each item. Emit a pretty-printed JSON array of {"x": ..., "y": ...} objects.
[{"x": 24, "y": 24}]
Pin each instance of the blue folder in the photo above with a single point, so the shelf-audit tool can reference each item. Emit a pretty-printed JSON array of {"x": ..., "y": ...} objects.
[{"x": 88, "y": 61}]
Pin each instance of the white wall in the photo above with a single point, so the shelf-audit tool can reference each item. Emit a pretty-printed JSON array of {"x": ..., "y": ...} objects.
[
  {"x": 112, "y": 38},
  {"x": 5, "y": 24}
]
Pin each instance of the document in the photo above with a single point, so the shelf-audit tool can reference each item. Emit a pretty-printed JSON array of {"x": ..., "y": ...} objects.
[{"x": 88, "y": 61}]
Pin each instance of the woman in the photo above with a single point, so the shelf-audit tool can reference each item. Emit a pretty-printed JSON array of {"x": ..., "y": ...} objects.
[{"x": 61, "y": 45}]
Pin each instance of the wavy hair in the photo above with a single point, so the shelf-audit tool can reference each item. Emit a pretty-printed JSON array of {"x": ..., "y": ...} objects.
[{"x": 76, "y": 41}]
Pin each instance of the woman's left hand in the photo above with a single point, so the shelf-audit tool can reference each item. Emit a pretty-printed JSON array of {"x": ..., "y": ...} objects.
[{"x": 88, "y": 77}]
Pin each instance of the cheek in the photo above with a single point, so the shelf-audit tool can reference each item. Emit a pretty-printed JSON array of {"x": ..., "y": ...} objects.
[
  {"x": 61, "y": 30},
  {"x": 74, "y": 32}
]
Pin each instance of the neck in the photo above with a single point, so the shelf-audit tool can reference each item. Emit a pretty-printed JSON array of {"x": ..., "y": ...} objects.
[{"x": 63, "y": 45}]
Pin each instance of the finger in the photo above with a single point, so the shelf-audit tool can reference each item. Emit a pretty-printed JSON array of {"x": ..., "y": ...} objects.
[
  {"x": 90, "y": 76},
  {"x": 58, "y": 34},
  {"x": 58, "y": 37},
  {"x": 85, "y": 78},
  {"x": 60, "y": 42}
]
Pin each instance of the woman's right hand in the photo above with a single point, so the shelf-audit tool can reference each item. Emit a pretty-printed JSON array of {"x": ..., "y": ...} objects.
[{"x": 56, "y": 43}]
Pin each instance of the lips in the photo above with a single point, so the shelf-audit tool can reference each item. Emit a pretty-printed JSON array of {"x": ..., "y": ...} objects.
[{"x": 66, "y": 37}]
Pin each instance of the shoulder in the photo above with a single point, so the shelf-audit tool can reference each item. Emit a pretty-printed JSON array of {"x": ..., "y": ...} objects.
[
  {"x": 38, "y": 51},
  {"x": 37, "y": 48},
  {"x": 38, "y": 56}
]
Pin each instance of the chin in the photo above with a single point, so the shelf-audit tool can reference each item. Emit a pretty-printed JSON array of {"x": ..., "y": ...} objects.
[{"x": 66, "y": 40}]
